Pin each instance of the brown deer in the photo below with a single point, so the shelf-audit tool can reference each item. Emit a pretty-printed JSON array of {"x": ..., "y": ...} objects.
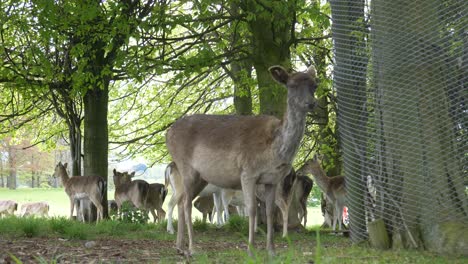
[
  {"x": 80, "y": 187},
  {"x": 173, "y": 178},
  {"x": 303, "y": 189},
  {"x": 36, "y": 208},
  {"x": 205, "y": 205},
  {"x": 8, "y": 207},
  {"x": 239, "y": 152},
  {"x": 135, "y": 191},
  {"x": 332, "y": 187},
  {"x": 155, "y": 200},
  {"x": 153, "y": 197},
  {"x": 283, "y": 198}
]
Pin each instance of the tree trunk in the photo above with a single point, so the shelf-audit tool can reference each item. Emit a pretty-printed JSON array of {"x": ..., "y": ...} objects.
[
  {"x": 271, "y": 32},
  {"x": 350, "y": 83},
  {"x": 32, "y": 179},
  {"x": 11, "y": 180},
  {"x": 240, "y": 72},
  {"x": 423, "y": 181},
  {"x": 242, "y": 93},
  {"x": 75, "y": 147},
  {"x": 96, "y": 135}
]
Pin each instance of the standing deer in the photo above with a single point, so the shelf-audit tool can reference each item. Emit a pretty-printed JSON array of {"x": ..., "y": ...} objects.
[
  {"x": 303, "y": 189},
  {"x": 80, "y": 187},
  {"x": 332, "y": 187},
  {"x": 284, "y": 195},
  {"x": 239, "y": 152},
  {"x": 135, "y": 191},
  {"x": 149, "y": 197},
  {"x": 155, "y": 200},
  {"x": 173, "y": 178}
]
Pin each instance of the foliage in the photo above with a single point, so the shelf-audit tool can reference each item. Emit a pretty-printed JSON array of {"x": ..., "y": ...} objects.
[
  {"x": 199, "y": 225},
  {"x": 238, "y": 224},
  {"x": 130, "y": 214},
  {"x": 315, "y": 197}
]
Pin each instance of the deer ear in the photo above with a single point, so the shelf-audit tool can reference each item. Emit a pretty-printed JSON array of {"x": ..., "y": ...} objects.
[
  {"x": 65, "y": 165},
  {"x": 279, "y": 74},
  {"x": 132, "y": 174},
  {"x": 115, "y": 171}
]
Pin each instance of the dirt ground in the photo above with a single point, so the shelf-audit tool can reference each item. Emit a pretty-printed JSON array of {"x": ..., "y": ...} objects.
[{"x": 112, "y": 250}]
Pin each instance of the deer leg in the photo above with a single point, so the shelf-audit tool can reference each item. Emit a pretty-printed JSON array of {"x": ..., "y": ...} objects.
[
  {"x": 180, "y": 225},
  {"x": 175, "y": 199},
  {"x": 270, "y": 191},
  {"x": 195, "y": 185},
  {"x": 153, "y": 213},
  {"x": 284, "y": 207},
  {"x": 217, "y": 205},
  {"x": 72, "y": 207},
  {"x": 99, "y": 207},
  {"x": 305, "y": 216},
  {"x": 285, "y": 212},
  {"x": 248, "y": 188},
  {"x": 335, "y": 215},
  {"x": 226, "y": 201},
  {"x": 161, "y": 214}
]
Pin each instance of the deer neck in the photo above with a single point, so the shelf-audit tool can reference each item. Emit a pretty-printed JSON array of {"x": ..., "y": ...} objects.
[
  {"x": 320, "y": 177},
  {"x": 291, "y": 132},
  {"x": 64, "y": 176}
]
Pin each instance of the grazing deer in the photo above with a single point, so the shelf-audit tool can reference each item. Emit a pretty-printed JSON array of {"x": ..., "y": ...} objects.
[
  {"x": 205, "y": 206},
  {"x": 135, "y": 191},
  {"x": 38, "y": 208},
  {"x": 332, "y": 187},
  {"x": 112, "y": 205},
  {"x": 8, "y": 207},
  {"x": 173, "y": 178},
  {"x": 239, "y": 152},
  {"x": 79, "y": 187}
]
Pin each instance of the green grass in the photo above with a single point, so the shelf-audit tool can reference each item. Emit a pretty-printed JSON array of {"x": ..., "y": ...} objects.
[
  {"x": 216, "y": 245},
  {"x": 213, "y": 244}
]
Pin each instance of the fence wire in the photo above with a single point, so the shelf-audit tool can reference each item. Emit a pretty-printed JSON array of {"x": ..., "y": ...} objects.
[{"x": 400, "y": 76}]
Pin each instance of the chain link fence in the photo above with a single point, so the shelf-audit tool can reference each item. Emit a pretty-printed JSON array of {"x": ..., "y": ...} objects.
[{"x": 400, "y": 76}]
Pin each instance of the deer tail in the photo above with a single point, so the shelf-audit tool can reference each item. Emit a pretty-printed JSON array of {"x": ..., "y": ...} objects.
[
  {"x": 167, "y": 174},
  {"x": 163, "y": 194},
  {"x": 144, "y": 190},
  {"x": 102, "y": 188}
]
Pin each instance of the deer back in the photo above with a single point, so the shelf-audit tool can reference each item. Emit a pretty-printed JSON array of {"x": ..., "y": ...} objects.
[
  {"x": 336, "y": 188},
  {"x": 229, "y": 144},
  {"x": 156, "y": 196},
  {"x": 204, "y": 204},
  {"x": 85, "y": 186},
  {"x": 135, "y": 191}
]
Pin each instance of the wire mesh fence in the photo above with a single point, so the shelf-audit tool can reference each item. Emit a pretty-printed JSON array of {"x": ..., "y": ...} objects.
[{"x": 400, "y": 76}]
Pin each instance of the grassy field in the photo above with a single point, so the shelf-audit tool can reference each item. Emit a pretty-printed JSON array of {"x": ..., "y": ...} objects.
[
  {"x": 60, "y": 204},
  {"x": 59, "y": 240}
]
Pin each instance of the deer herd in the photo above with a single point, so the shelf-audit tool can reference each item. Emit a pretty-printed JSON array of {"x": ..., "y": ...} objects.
[{"x": 229, "y": 164}]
